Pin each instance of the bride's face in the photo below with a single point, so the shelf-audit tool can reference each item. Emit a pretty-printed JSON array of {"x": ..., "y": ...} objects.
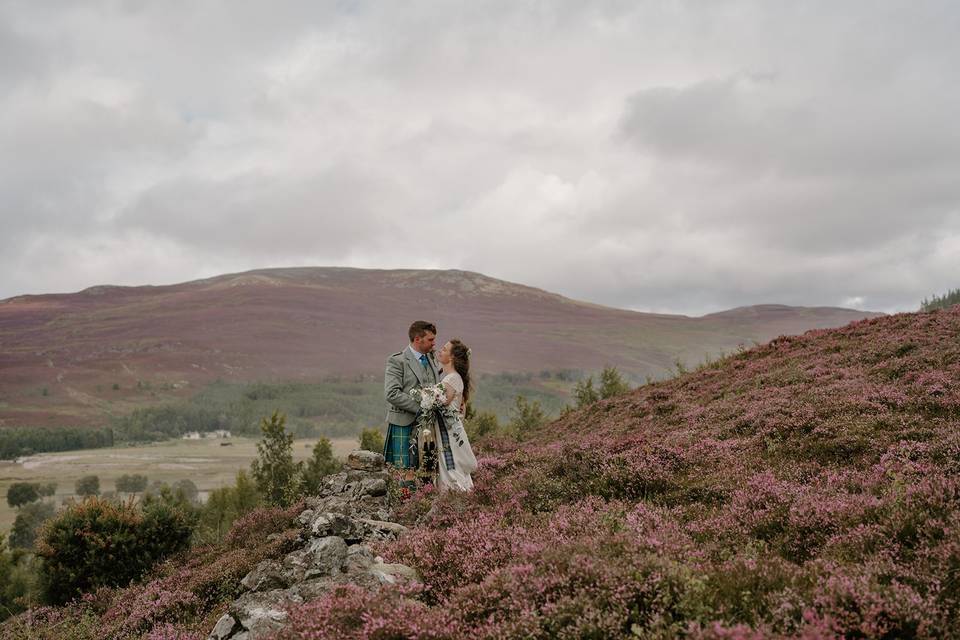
[{"x": 444, "y": 356}]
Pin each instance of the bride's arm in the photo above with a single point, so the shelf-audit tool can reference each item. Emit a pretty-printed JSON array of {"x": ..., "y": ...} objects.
[{"x": 449, "y": 391}]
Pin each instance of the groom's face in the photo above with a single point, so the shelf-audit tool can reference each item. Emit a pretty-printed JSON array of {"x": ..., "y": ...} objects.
[{"x": 424, "y": 343}]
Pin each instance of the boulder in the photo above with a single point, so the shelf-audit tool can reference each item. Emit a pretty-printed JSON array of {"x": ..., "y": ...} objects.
[
  {"x": 359, "y": 558},
  {"x": 374, "y": 486},
  {"x": 365, "y": 460},
  {"x": 390, "y": 573},
  {"x": 321, "y": 557},
  {"x": 336, "y": 524},
  {"x": 267, "y": 575},
  {"x": 226, "y": 626},
  {"x": 383, "y": 527},
  {"x": 263, "y": 613}
]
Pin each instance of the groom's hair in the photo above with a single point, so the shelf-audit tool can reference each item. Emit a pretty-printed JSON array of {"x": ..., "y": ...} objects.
[{"x": 421, "y": 327}]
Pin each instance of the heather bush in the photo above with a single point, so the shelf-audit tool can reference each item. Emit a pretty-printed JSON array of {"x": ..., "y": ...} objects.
[
  {"x": 807, "y": 488},
  {"x": 352, "y": 613},
  {"x": 53, "y": 623},
  {"x": 255, "y": 526},
  {"x": 101, "y": 543}
]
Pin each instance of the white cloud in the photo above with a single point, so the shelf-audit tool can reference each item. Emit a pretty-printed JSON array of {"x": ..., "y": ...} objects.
[{"x": 666, "y": 156}]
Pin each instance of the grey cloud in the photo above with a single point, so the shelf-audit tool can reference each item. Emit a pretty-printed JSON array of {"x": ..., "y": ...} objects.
[
  {"x": 681, "y": 156},
  {"x": 331, "y": 212}
]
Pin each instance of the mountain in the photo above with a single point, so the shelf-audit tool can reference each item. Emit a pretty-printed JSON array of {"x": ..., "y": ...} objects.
[{"x": 62, "y": 355}]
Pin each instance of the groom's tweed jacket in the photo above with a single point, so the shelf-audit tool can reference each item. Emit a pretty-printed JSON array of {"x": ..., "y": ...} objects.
[{"x": 405, "y": 373}]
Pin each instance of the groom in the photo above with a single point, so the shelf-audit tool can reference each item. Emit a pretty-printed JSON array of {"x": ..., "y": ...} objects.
[{"x": 413, "y": 367}]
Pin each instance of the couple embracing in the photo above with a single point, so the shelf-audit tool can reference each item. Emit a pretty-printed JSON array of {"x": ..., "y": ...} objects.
[{"x": 427, "y": 394}]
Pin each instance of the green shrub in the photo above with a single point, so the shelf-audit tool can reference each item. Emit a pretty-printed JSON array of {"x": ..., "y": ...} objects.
[
  {"x": 585, "y": 394},
  {"x": 88, "y": 486},
  {"x": 102, "y": 543},
  {"x": 21, "y": 493},
  {"x": 525, "y": 416},
  {"x": 225, "y": 505},
  {"x": 371, "y": 440},
  {"x": 187, "y": 488},
  {"x": 481, "y": 424},
  {"x": 321, "y": 465},
  {"x": 135, "y": 483},
  {"x": 611, "y": 383},
  {"x": 25, "y": 527}
]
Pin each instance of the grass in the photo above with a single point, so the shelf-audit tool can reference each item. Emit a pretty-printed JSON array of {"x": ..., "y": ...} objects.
[{"x": 208, "y": 464}]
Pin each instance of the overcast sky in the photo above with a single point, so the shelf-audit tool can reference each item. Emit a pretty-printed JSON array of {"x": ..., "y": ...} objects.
[{"x": 656, "y": 155}]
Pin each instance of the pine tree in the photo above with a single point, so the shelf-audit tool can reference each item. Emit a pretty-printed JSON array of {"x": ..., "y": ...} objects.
[
  {"x": 611, "y": 383},
  {"x": 585, "y": 393},
  {"x": 525, "y": 415},
  {"x": 276, "y": 474},
  {"x": 945, "y": 301},
  {"x": 322, "y": 464}
]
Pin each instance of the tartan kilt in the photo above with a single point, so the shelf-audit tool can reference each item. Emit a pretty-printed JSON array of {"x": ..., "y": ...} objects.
[{"x": 396, "y": 446}]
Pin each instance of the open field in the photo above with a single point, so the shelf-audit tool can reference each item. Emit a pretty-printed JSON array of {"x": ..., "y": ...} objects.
[{"x": 208, "y": 463}]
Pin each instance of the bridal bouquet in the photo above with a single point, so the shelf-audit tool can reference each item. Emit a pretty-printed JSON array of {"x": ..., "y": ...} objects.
[
  {"x": 430, "y": 396},
  {"x": 423, "y": 443}
]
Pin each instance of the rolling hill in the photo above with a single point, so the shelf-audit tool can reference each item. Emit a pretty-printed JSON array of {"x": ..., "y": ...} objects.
[{"x": 70, "y": 358}]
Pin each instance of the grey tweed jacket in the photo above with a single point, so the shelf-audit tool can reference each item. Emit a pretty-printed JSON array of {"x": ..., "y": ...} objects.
[{"x": 405, "y": 373}]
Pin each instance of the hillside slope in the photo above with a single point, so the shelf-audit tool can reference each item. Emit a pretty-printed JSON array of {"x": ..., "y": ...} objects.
[
  {"x": 807, "y": 488},
  {"x": 69, "y": 358}
]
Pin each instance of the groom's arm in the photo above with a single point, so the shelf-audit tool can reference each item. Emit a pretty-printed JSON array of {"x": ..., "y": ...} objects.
[{"x": 393, "y": 387}]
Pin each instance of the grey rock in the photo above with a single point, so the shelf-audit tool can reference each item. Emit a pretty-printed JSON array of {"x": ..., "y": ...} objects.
[
  {"x": 337, "y": 524},
  {"x": 313, "y": 589},
  {"x": 224, "y": 628},
  {"x": 390, "y": 573},
  {"x": 329, "y": 554},
  {"x": 321, "y": 557},
  {"x": 267, "y": 575},
  {"x": 365, "y": 460},
  {"x": 374, "y": 486},
  {"x": 383, "y": 525},
  {"x": 350, "y": 510},
  {"x": 359, "y": 558},
  {"x": 261, "y": 614}
]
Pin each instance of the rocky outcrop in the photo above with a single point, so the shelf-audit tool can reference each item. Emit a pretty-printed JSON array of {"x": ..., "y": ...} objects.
[{"x": 350, "y": 511}]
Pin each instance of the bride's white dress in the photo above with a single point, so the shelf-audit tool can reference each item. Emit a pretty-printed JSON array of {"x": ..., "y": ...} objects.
[{"x": 464, "y": 461}]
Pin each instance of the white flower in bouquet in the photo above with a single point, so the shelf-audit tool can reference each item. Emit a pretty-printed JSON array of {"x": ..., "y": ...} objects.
[{"x": 430, "y": 396}]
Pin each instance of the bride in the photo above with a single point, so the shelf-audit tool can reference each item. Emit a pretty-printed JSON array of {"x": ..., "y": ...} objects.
[{"x": 456, "y": 460}]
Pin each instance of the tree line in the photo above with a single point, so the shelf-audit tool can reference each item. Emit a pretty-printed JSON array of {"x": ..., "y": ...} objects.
[
  {"x": 945, "y": 301},
  {"x": 25, "y": 441}
]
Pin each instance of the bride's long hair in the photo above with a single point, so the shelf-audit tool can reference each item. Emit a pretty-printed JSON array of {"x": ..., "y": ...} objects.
[{"x": 461, "y": 364}]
